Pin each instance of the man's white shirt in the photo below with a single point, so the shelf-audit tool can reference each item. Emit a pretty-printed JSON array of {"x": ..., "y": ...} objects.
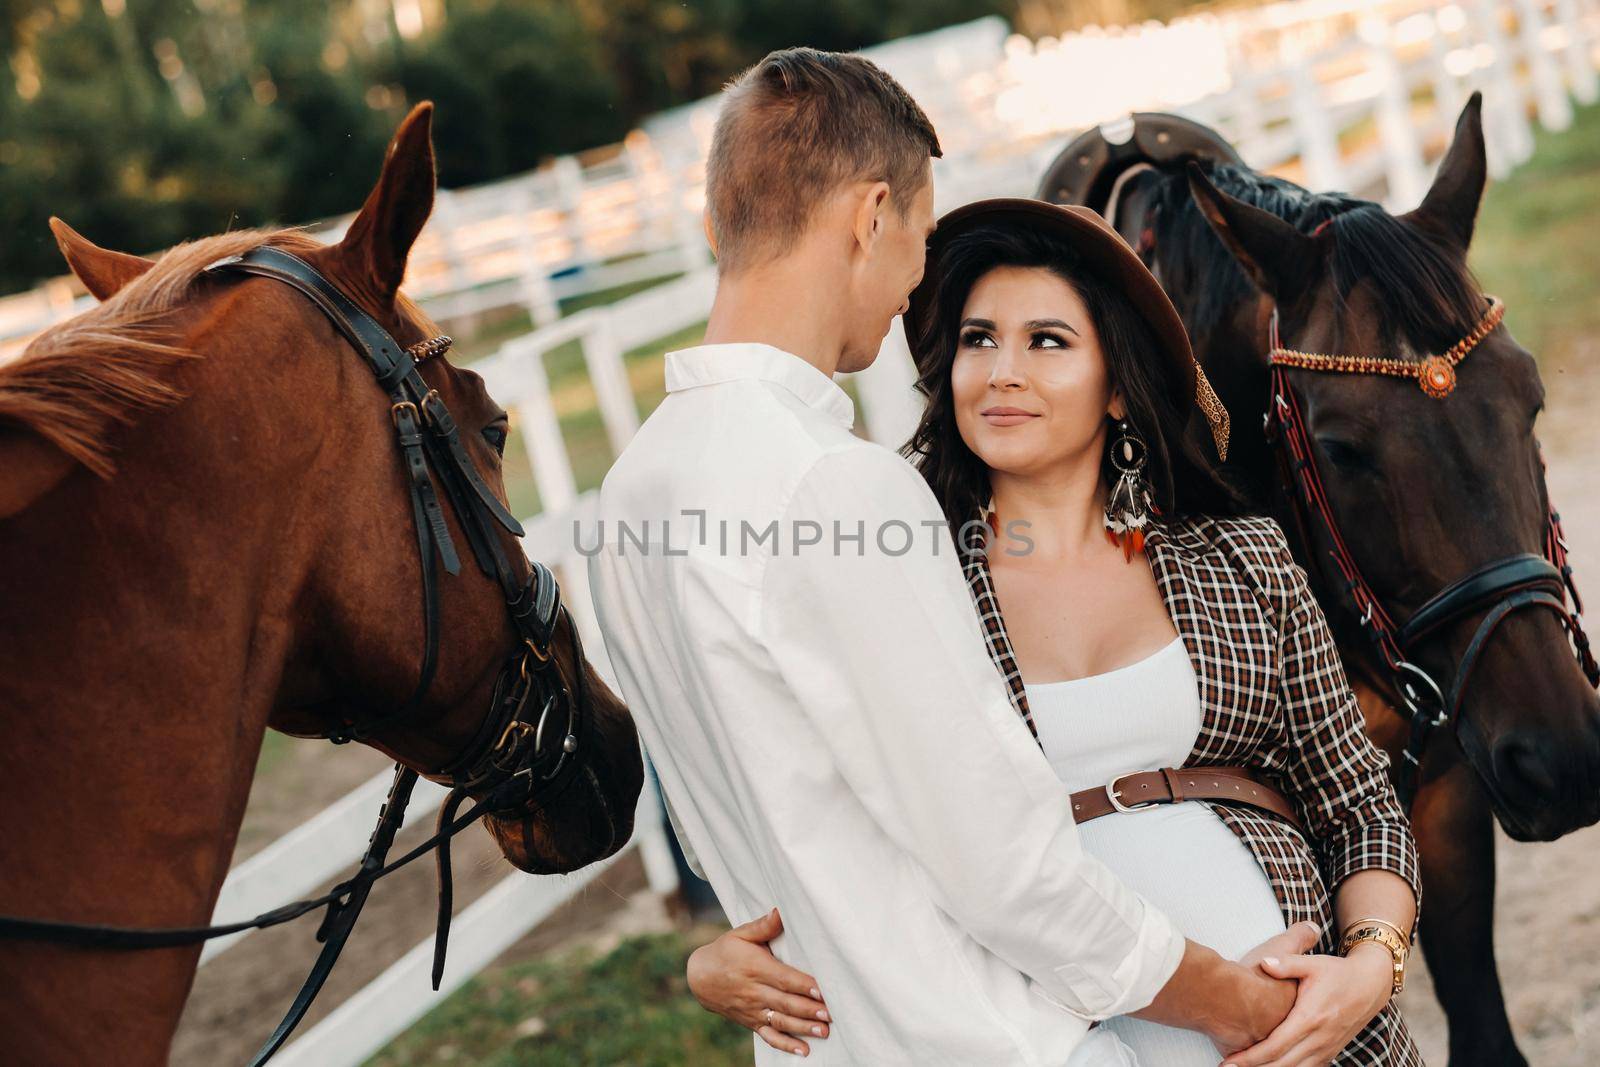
[{"x": 786, "y": 615}]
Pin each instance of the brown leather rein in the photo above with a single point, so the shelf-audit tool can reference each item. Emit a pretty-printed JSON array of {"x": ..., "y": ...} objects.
[{"x": 1497, "y": 588}]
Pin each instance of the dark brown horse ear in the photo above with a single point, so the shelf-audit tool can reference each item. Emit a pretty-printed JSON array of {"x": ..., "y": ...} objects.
[
  {"x": 1451, "y": 207},
  {"x": 1282, "y": 261},
  {"x": 102, "y": 271},
  {"x": 381, "y": 235}
]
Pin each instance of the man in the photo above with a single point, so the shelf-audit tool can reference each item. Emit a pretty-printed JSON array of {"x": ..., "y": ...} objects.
[{"x": 787, "y": 617}]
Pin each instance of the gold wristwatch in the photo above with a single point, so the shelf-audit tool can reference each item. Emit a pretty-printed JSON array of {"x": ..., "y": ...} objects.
[{"x": 1386, "y": 934}]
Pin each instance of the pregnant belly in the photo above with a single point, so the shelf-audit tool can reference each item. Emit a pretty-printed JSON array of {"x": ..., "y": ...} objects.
[{"x": 1185, "y": 861}]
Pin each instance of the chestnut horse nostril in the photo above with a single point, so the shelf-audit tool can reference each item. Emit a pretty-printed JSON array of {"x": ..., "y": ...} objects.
[{"x": 1527, "y": 769}]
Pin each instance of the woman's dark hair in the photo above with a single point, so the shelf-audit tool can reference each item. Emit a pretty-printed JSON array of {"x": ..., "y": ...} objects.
[{"x": 1182, "y": 480}]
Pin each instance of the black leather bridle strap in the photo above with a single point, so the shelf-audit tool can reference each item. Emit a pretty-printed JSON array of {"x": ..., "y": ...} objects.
[
  {"x": 1473, "y": 591},
  {"x": 341, "y": 916}
]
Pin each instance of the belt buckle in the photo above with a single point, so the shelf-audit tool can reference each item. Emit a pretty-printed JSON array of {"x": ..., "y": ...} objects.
[{"x": 1114, "y": 797}]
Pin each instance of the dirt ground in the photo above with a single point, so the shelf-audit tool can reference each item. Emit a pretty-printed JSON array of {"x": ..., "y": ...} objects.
[{"x": 1548, "y": 895}]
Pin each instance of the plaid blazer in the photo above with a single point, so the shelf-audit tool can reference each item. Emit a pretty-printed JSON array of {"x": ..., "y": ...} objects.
[{"x": 1275, "y": 698}]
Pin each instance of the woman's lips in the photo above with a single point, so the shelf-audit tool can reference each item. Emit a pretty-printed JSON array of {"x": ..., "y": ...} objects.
[{"x": 1004, "y": 416}]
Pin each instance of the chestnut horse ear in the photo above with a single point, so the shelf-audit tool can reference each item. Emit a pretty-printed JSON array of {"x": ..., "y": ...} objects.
[
  {"x": 102, "y": 271},
  {"x": 1282, "y": 261},
  {"x": 380, "y": 237},
  {"x": 1451, "y": 207}
]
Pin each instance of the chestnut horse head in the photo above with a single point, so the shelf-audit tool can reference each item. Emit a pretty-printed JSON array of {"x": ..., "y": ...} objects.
[{"x": 208, "y": 531}]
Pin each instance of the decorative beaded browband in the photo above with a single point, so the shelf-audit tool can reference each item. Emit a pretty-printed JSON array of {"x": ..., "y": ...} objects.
[{"x": 1436, "y": 375}]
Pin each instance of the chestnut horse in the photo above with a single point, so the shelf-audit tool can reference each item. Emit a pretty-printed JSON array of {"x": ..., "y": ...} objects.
[
  {"x": 207, "y": 531},
  {"x": 1424, "y": 489}
]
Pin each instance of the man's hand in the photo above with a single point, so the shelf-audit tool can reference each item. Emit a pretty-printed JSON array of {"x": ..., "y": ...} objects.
[
  {"x": 1234, "y": 1004},
  {"x": 1338, "y": 996},
  {"x": 1261, "y": 1006}
]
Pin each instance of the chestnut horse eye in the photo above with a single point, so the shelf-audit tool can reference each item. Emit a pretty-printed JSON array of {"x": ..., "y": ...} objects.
[{"x": 495, "y": 433}]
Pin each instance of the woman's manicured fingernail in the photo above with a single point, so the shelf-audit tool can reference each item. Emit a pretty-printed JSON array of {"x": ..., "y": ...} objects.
[
  {"x": 1273, "y": 960},
  {"x": 824, "y": 1016},
  {"x": 815, "y": 994},
  {"x": 817, "y": 1030},
  {"x": 799, "y": 1052}
]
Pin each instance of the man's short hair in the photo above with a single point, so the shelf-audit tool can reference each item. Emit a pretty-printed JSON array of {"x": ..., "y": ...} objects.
[{"x": 795, "y": 127}]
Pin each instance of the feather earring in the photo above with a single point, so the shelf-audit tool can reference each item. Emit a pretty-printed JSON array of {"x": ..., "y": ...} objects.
[{"x": 1128, "y": 506}]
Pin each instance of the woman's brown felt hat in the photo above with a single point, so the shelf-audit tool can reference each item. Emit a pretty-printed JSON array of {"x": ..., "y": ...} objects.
[{"x": 1106, "y": 255}]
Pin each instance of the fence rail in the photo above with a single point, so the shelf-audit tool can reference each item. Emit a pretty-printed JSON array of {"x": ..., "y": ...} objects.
[{"x": 1338, "y": 93}]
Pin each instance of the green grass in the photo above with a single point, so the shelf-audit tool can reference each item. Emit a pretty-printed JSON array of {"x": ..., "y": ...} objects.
[
  {"x": 628, "y": 1008},
  {"x": 1534, "y": 245}
]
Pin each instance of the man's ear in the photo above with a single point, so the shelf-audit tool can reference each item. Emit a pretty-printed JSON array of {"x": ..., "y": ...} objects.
[
  {"x": 871, "y": 208},
  {"x": 711, "y": 238},
  {"x": 1280, "y": 259},
  {"x": 381, "y": 235},
  {"x": 102, "y": 271},
  {"x": 1451, "y": 207}
]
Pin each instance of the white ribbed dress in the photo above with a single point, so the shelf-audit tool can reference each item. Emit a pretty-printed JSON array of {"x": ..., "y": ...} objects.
[{"x": 1180, "y": 857}]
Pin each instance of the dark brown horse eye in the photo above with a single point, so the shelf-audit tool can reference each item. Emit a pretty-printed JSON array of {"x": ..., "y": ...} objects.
[
  {"x": 1344, "y": 455},
  {"x": 495, "y": 433}
]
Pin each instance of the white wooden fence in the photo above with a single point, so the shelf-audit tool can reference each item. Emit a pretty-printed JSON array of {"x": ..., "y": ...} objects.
[{"x": 1325, "y": 89}]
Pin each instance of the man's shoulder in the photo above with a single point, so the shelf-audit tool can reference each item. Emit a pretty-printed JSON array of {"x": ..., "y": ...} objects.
[{"x": 864, "y": 471}]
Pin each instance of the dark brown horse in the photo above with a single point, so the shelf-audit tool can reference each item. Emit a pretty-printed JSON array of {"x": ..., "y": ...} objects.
[
  {"x": 1425, "y": 490},
  {"x": 206, "y": 531}
]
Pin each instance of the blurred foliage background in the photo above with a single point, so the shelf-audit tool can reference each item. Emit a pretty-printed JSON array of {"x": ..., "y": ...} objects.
[{"x": 147, "y": 122}]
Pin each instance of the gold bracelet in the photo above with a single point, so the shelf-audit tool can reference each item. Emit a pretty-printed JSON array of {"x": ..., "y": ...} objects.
[
  {"x": 1386, "y": 934},
  {"x": 1404, "y": 937}
]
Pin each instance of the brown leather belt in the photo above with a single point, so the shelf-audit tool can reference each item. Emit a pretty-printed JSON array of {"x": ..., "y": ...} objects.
[{"x": 1141, "y": 789}]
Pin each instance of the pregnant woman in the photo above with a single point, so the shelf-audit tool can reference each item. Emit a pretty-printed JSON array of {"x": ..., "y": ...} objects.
[{"x": 1167, "y": 654}]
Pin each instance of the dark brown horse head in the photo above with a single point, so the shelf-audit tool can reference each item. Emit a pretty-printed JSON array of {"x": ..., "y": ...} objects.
[
  {"x": 243, "y": 391},
  {"x": 1425, "y": 489}
]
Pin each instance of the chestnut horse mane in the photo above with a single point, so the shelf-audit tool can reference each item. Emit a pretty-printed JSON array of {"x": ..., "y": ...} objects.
[{"x": 109, "y": 366}]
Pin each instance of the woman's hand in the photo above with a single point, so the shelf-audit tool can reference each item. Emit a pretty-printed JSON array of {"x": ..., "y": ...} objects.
[
  {"x": 1338, "y": 996},
  {"x": 738, "y": 977}
]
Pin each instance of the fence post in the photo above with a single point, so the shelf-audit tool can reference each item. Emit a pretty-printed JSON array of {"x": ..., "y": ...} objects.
[
  {"x": 1504, "y": 104},
  {"x": 443, "y": 224},
  {"x": 1555, "y": 110},
  {"x": 569, "y": 192},
  {"x": 541, "y": 429},
  {"x": 1580, "y": 60},
  {"x": 537, "y": 295},
  {"x": 612, "y": 391},
  {"x": 1406, "y": 175},
  {"x": 1313, "y": 126},
  {"x": 1447, "y": 94}
]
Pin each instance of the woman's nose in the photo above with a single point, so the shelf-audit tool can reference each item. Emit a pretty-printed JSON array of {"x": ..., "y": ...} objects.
[{"x": 1006, "y": 370}]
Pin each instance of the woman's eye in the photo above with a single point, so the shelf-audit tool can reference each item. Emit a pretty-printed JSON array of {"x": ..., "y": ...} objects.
[
  {"x": 1049, "y": 340},
  {"x": 495, "y": 433},
  {"x": 976, "y": 339}
]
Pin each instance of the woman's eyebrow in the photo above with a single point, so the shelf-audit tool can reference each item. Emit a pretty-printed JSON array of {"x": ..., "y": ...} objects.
[
  {"x": 982, "y": 324},
  {"x": 1041, "y": 324}
]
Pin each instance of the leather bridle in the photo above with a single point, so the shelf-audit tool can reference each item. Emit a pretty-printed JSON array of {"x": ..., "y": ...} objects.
[
  {"x": 1497, "y": 588},
  {"x": 519, "y": 756}
]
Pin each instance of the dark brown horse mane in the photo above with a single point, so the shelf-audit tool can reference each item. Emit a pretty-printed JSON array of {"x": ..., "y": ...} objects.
[
  {"x": 112, "y": 365},
  {"x": 1424, "y": 293}
]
